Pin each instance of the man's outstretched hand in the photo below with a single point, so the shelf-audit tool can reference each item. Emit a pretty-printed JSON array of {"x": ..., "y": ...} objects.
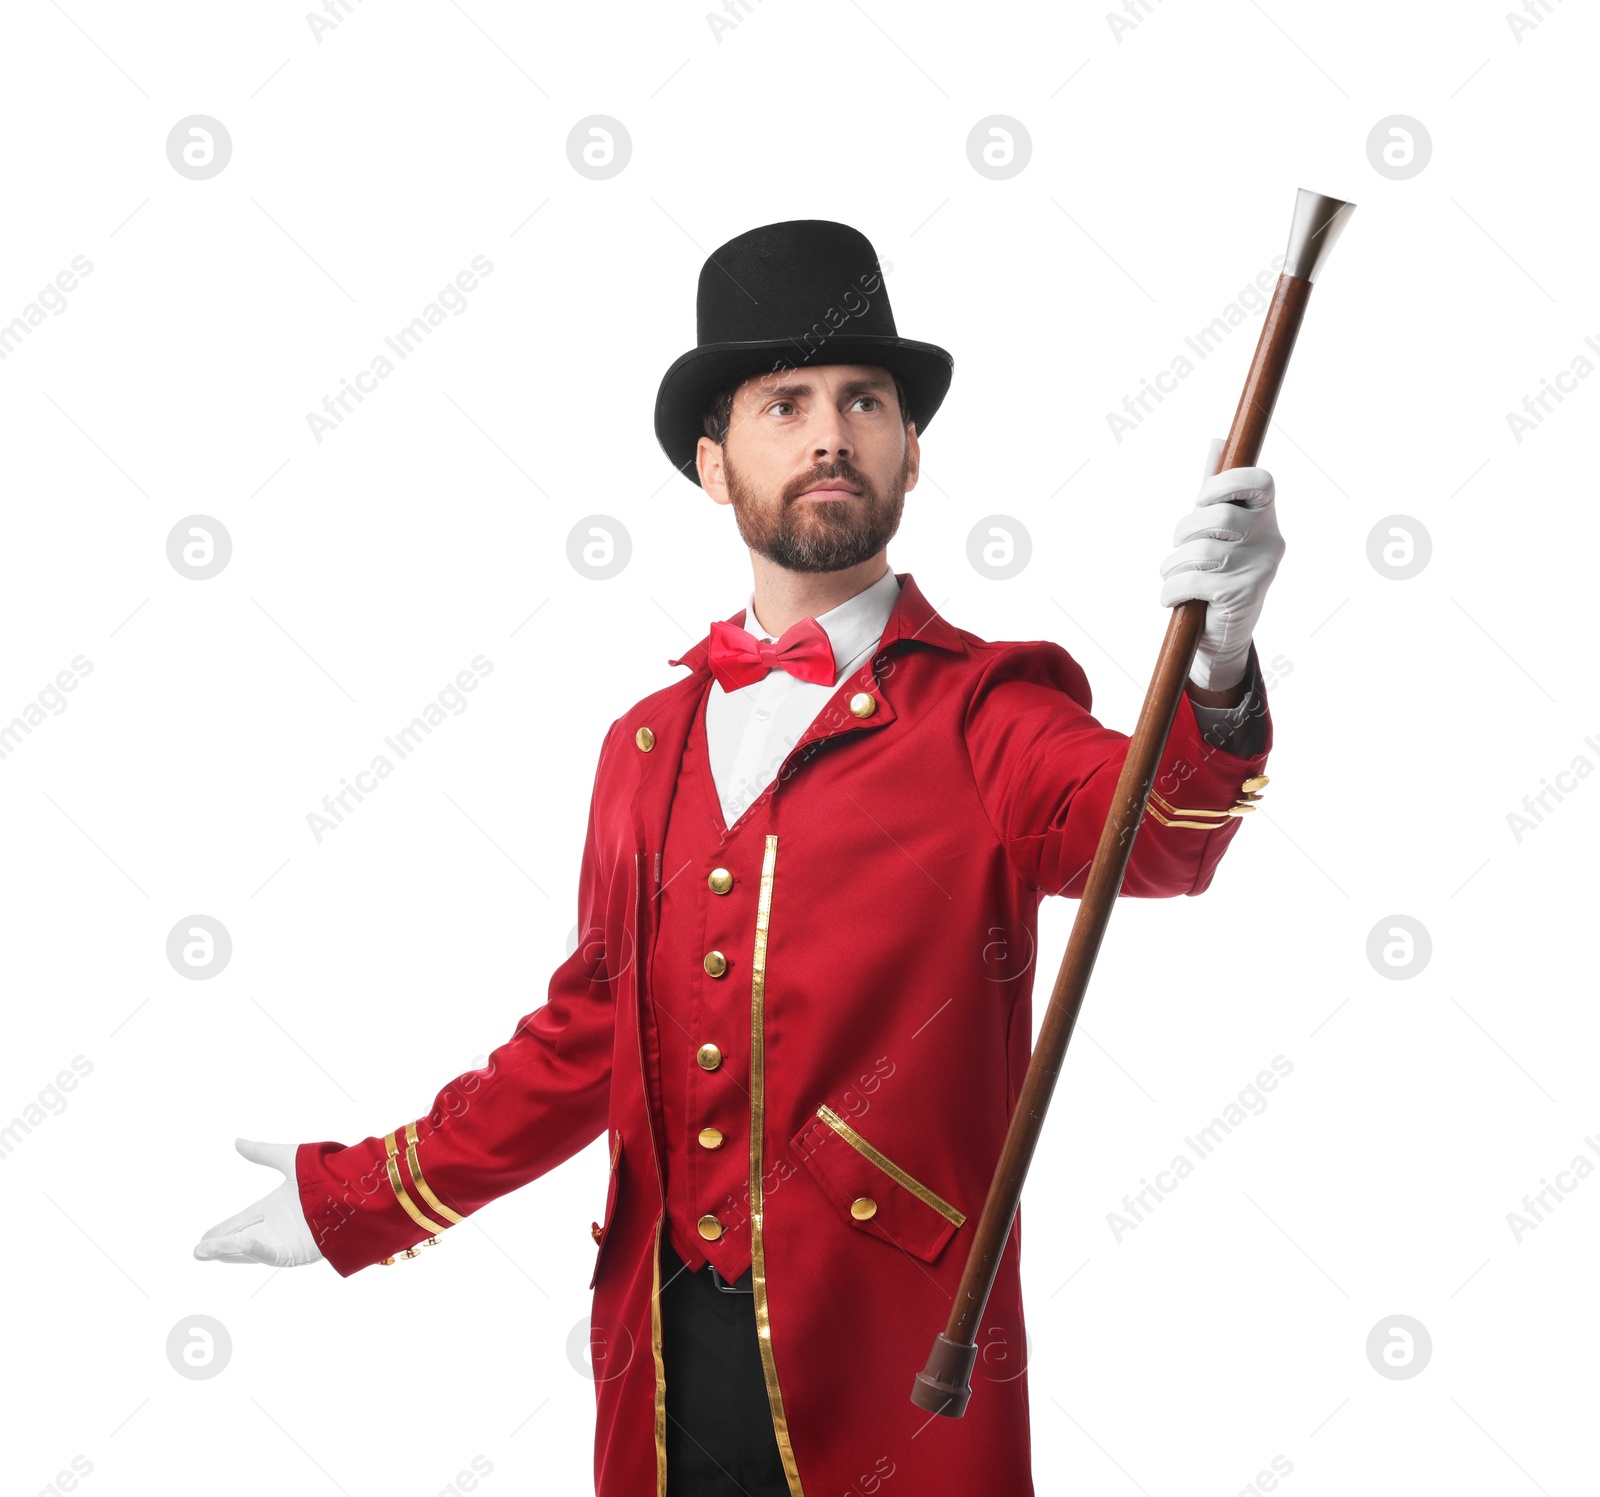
[{"x": 273, "y": 1230}]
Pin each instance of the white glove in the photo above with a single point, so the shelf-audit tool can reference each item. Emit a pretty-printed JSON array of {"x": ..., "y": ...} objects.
[
  {"x": 1228, "y": 551},
  {"x": 272, "y": 1231}
]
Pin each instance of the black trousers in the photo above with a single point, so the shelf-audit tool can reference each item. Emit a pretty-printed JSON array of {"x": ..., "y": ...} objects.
[{"x": 720, "y": 1441}]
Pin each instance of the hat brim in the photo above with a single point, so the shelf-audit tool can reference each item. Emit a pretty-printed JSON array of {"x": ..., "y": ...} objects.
[{"x": 700, "y": 375}]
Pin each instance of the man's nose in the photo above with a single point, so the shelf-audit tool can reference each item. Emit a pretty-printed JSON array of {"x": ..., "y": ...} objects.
[{"x": 829, "y": 442}]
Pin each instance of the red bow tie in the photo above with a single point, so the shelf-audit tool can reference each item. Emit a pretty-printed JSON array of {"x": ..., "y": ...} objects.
[{"x": 738, "y": 658}]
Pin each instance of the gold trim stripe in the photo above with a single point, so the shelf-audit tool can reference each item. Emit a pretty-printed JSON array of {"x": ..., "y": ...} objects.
[
  {"x": 661, "y": 1369},
  {"x": 423, "y": 1188},
  {"x": 1173, "y": 810},
  {"x": 1194, "y": 826},
  {"x": 888, "y": 1166},
  {"x": 432, "y": 1227},
  {"x": 1157, "y": 804},
  {"x": 758, "y": 1252}
]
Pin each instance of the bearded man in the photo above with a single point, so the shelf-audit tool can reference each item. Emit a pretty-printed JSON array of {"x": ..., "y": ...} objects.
[{"x": 800, "y": 1009}]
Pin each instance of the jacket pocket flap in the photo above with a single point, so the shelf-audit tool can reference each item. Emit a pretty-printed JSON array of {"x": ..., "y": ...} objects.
[{"x": 872, "y": 1192}]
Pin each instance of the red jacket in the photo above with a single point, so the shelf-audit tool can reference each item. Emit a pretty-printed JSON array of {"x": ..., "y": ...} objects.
[{"x": 883, "y": 909}]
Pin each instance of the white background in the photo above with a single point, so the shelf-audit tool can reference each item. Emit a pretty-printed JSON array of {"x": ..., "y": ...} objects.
[{"x": 367, "y": 170}]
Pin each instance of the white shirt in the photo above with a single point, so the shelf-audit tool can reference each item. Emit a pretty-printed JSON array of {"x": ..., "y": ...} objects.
[{"x": 749, "y": 732}]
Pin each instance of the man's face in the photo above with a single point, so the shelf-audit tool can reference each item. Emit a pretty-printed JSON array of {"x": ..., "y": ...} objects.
[{"x": 817, "y": 464}]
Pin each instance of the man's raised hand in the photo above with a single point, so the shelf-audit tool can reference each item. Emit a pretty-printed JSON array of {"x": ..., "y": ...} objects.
[
  {"x": 1228, "y": 552},
  {"x": 274, "y": 1229}
]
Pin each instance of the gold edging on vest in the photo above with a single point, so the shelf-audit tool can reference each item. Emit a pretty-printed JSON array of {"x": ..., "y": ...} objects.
[
  {"x": 758, "y": 1256},
  {"x": 661, "y": 1371}
]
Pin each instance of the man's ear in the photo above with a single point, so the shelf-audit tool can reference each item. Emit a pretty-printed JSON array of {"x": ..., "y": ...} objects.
[
  {"x": 708, "y": 463},
  {"x": 913, "y": 456}
]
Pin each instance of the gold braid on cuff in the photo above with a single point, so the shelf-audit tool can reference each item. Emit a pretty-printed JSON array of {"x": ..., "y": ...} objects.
[
  {"x": 401, "y": 1194},
  {"x": 1163, "y": 812},
  {"x": 423, "y": 1187}
]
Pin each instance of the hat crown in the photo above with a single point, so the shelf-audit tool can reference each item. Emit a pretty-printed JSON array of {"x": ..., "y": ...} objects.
[
  {"x": 788, "y": 296},
  {"x": 807, "y": 276}
]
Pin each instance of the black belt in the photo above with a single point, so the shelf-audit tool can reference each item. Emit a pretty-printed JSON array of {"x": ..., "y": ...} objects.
[{"x": 720, "y": 1440}]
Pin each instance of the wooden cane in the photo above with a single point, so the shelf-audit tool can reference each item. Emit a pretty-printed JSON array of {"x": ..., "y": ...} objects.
[{"x": 944, "y": 1385}]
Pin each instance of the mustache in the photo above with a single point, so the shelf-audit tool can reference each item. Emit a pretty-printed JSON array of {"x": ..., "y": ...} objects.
[{"x": 838, "y": 469}]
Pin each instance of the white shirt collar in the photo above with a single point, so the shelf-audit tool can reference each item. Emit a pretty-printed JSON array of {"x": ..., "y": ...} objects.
[{"x": 853, "y": 627}]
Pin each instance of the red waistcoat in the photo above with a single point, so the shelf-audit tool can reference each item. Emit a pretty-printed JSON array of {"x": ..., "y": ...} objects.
[
  {"x": 873, "y": 1022},
  {"x": 699, "y": 1040}
]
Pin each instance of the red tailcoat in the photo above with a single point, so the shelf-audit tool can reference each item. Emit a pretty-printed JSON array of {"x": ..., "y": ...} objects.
[{"x": 879, "y": 935}]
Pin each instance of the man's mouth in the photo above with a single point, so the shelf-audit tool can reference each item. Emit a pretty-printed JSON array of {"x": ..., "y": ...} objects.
[{"x": 831, "y": 491}]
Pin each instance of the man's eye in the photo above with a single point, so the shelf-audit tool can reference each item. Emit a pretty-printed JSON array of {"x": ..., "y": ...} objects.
[
  {"x": 872, "y": 401},
  {"x": 781, "y": 407}
]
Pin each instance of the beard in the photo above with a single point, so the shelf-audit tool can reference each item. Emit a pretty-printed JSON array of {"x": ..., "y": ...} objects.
[{"x": 818, "y": 535}]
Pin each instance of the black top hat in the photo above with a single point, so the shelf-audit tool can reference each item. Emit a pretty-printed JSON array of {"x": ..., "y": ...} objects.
[{"x": 785, "y": 296}]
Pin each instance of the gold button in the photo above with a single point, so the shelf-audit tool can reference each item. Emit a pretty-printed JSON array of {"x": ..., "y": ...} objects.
[
  {"x": 411, "y": 1252},
  {"x": 720, "y": 880},
  {"x": 1254, "y": 783},
  {"x": 711, "y": 1138},
  {"x": 863, "y": 704},
  {"x": 385, "y": 1262},
  {"x": 715, "y": 963},
  {"x": 594, "y": 1230},
  {"x": 709, "y": 1057},
  {"x": 710, "y": 1228},
  {"x": 645, "y": 739},
  {"x": 863, "y": 1208}
]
